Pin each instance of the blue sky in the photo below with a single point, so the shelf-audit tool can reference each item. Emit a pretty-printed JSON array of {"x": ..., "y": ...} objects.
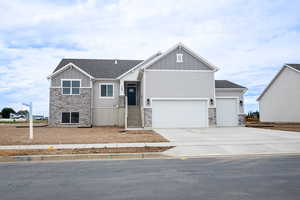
[{"x": 248, "y": 40}]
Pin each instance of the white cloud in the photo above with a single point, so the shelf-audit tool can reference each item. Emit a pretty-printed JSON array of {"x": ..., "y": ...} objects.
[{"x": 248, "y": 40}]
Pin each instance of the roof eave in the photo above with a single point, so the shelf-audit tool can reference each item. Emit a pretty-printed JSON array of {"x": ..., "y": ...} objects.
[
  {"x": 271, "y": 82},
  {"x": 211, "y": 66},
  {"x": 68, "y": 65}
]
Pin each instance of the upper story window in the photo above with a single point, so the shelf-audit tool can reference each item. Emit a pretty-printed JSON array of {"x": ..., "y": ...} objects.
[
  {"x": 106, "y": 90},
  {"x": 70, "y": 87},
  {"x": 179, "y": 57}
]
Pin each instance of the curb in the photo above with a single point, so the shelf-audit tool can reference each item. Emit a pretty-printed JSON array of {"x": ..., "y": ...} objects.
[{"x": 82, "y": 157}]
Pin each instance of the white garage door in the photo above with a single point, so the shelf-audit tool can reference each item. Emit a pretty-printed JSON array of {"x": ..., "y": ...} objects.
[
  {"x": 179, "y": 113},
  {"x": 227, "y": 112}
]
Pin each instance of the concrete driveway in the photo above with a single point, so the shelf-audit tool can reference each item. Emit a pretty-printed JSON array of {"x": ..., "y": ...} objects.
[{"x": 230, "y": 141}]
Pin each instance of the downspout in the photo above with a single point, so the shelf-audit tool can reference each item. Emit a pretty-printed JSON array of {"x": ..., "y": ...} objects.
[{"x": 92, "y": 100}]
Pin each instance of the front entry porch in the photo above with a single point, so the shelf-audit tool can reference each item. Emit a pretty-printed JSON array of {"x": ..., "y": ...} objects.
[{"x": 132, "y": 93}]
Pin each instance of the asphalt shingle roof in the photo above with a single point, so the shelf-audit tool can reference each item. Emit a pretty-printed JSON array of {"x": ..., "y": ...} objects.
[
  {"x": 101, "y": 68},
  {"x": 295, "y": 66},
  {"x": 106, "y": 68},
  {"x": 226, "y": 84}
]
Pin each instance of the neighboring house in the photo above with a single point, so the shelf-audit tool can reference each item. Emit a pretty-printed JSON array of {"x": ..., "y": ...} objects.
[
  {"x": 17, "y": 116},
  {"x": 174, "y": 89},
  {"x": 38, "y": 117},
  {"x": 280, "y": 101}
]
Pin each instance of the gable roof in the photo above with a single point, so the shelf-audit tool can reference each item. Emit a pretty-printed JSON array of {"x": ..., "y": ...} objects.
[
  {"x": 295, "y": 67},
  {"x": 100, "y": 68},
  {"x": 227, "y": 84},
  {"x": 180, "y": 45},
  {"x": 108, "y": 69},
  {"x": 140, "y": 64}
]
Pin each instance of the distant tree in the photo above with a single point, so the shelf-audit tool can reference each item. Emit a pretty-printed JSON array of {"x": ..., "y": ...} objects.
[
  {"x": 6, "y": 112},
  {"x": 253, "y": 115}
]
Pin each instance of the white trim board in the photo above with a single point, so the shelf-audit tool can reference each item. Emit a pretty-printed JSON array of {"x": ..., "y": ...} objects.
[
  {"x": 178, "y": 70},
  {"x": 66, "y": 67},
  {"x": 139, "y": 65},
  {"x": 180, "y": 45}
]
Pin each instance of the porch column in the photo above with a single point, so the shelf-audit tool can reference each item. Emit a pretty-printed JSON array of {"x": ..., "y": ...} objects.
[{"x": 122, "y": 93}]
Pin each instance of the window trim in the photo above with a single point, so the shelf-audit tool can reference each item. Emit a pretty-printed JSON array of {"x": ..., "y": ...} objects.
[
  {"x": 70, "y": 118},
  {"x": 179, "y": 55},
  {"x": 107, "y": 97},
  {"x": 61, "y": 86}
]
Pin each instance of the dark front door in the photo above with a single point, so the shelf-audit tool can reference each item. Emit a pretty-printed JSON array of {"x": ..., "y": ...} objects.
[{"x": 131, "y": 94}]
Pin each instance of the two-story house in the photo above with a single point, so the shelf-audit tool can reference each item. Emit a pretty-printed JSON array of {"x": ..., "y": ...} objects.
[{"x": 174, "y": 89}]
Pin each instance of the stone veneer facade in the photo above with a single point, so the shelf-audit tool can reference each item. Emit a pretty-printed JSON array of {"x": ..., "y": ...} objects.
[
  {"x": 212, "y": 117},
  {"x": 242, "y": 119},
  {"x": 70, "y": 103},
  {"x": 147, "y": 117}
]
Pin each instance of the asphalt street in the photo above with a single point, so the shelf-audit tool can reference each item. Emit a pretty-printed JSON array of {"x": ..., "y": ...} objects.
[{"x": 276, "y": 177}]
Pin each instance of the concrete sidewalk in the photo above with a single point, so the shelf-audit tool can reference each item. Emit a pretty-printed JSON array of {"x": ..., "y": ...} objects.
[{"x": 84, "y": 146}]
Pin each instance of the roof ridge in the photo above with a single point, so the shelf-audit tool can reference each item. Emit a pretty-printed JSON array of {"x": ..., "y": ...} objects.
[{"x": 112, "y": 59}]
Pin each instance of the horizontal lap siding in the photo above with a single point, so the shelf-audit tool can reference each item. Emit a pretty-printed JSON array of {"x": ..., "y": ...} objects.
[
  {"x": 281, "y": 101},
  {"x": 178, "y": 84},
  {"x": 105, "y": 102}
]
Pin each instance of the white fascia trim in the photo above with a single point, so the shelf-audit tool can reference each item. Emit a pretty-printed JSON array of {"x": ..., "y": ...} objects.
[
  {"x": 70, "y": 65},
  {"x": 229, "y": 97},
  {"x": 177, "y": 70},
  {"x": 243, "y": 90},
  {"x": 139, "y": 65},
  {"x": 292, "y": 68},
  {"x": 272, "y": 81},
  {"x": 105, "y": 79},
  {"x": 214, "y": 68},
  {"x": 222, "y": 89}
]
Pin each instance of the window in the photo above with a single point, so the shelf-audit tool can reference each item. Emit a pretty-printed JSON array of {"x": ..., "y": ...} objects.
[
  {"x": 71, "y": 86},
  {"x": 179, "y": 57},
  {"x": 106, "y": 90},
  {"x": 70, "y": 117}
]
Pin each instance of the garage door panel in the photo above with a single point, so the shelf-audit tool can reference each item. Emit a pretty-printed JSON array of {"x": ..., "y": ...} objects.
[
  {"x": 227, "y": 112},
  {"x": 179, "y": 114}
]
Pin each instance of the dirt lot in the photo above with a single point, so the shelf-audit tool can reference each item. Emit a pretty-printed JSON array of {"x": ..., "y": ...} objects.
[
  {"x": 82, "y": 151},
  {"x": 44, "y": 135},
  {"x": 276, "y": 126}
]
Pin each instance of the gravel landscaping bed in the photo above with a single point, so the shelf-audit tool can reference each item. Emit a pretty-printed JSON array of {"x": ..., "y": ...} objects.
[{"x": 275, "y": 126}]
